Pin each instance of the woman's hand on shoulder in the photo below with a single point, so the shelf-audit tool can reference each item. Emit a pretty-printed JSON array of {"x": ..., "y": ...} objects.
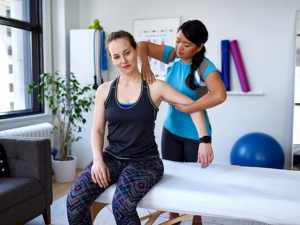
[
  {"x": 146, "y": 50},
  {"x": 147, "y": 74},
  {"x": 205, "y": 155},
  {"x": 100, "y": 173}
]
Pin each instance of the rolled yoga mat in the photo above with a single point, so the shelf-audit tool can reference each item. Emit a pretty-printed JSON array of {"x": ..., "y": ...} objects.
[
  {"x": 235, "y": 51},
  {"x": 225, "y": 54}
]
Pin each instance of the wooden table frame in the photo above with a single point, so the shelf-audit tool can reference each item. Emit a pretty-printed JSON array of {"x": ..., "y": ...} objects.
[{"x": 98, "y": 206}]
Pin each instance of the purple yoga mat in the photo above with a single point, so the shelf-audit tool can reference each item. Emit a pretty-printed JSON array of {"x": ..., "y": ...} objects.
[{"x": 236, "y": 54}]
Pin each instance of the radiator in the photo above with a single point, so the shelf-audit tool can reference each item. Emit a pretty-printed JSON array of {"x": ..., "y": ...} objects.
[{"x": 37, "y": 130}]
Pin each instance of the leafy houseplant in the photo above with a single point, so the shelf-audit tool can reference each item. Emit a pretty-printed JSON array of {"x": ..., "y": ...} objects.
[{"x": 67, "y": 102}]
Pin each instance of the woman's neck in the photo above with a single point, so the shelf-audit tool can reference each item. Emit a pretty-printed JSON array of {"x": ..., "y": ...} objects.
[
  {"x": 187, "y": 61},
  {"x": 134, "y": 77}
]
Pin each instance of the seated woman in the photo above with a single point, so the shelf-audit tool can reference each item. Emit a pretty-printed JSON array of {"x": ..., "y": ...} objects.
[{"x": 131, "y": 159}]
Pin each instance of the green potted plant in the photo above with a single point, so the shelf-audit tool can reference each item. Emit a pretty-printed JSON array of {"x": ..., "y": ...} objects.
[{"x": 67, "y": 101}]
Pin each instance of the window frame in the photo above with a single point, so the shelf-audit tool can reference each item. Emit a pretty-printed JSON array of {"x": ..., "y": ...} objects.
[
  {"x": 8, "y": 32},
  {"x": 12, "y": 105},
  {"x": 10, "y": 69},
  {"x": 9, "y": 50},
  {"x": 8, "y": 13},
  {"x": 11, "y": 87},
  {"x": 35, "y": 27}
]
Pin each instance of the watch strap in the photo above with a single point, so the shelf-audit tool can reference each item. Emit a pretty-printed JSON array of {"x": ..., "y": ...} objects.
[{"x": 205, "y": 139}]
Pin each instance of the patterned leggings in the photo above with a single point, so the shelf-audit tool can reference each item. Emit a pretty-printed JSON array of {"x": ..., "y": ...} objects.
[{"x": 134, "y": 180}]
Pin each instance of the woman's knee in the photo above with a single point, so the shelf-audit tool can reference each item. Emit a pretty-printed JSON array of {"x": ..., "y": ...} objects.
[{"x": 74, "y": 195}]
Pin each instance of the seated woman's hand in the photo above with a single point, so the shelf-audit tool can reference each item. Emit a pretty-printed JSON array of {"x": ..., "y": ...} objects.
[
  {"x": 100, "y": 173},
  {"x": 147, "y": 74},
  {"x": 205, "y": 155}
]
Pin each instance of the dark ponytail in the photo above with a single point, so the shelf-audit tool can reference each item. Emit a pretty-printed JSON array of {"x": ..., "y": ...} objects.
[{"x": 196, "y": 32}]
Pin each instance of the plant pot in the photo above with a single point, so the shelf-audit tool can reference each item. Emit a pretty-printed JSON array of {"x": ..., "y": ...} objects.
[{"x": 64, "y": 171}]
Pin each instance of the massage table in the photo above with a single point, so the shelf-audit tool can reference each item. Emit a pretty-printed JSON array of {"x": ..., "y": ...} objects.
[{"x": 266, "y": 195}]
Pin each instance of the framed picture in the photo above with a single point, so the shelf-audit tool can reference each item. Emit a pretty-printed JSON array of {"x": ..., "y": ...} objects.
[{"x": 160, "y": 31}]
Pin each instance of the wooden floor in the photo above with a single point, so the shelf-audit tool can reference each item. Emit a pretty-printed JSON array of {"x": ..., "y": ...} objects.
[{"x": 61, "y": 189}]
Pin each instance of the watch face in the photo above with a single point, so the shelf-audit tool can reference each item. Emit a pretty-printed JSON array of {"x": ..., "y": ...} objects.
[{"x": 206, "y": 139}]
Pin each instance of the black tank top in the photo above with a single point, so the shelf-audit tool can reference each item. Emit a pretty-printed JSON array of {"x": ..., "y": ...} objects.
[{"x": 131, "y": 130}]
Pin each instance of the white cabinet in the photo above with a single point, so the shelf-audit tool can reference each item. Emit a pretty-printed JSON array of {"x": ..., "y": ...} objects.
[{"x": 82, "y": 65}]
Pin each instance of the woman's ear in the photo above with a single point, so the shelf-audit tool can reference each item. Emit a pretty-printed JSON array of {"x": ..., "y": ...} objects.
[
  {"x": 200, "y": 47},
  {"x": 137, "y": 50}
]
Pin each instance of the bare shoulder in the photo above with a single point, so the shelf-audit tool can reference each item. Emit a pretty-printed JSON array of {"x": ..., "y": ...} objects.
[
  {"x": 159, "y": 91},
  {"x": 103, "y": 90},
  {"x": 158, "y": 84},
  {"x": 104, "y": 86}
]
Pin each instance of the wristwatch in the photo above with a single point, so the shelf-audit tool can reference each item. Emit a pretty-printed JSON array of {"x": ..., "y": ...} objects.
[{"x": 205, "y": 139}]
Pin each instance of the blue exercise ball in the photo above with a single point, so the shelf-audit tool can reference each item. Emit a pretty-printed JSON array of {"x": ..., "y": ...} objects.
[{"x": 257, "y": 150}]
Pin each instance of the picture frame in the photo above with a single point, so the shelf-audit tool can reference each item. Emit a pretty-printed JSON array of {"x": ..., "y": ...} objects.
[{"x": 160, "y": 31}]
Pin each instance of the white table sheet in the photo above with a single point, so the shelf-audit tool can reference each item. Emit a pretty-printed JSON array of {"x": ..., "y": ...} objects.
[{"x": 266, "y": 195}]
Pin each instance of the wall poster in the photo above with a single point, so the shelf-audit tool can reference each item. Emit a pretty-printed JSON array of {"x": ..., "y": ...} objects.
[{"x": 159, "y": 31}]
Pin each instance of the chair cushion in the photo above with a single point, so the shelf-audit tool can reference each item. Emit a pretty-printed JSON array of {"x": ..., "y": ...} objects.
[
  {"x": 17, "y": 189},
  {"x": 4, "y": 169}
]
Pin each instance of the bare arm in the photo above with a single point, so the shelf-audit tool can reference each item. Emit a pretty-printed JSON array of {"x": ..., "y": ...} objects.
[
  {"x": 152, "y": 50},
  {"x": 217, "y": 95},
  {"x": 170, "y": 94},
  {"x": 162, "y": 91},
  {"x": 147, "y": 48},
  {"x": 100, "y": 173},
  {"x": 98, "y": 129}
]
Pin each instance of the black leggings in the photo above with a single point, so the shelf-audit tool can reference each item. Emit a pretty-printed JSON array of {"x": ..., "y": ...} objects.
[{"x": 177, "y": 148}]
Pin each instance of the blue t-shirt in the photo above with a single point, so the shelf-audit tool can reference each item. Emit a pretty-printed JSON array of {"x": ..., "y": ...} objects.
[{"x": 178, "y": 123}]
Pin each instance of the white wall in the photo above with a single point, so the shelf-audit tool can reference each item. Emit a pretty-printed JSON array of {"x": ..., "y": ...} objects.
[
  {"x": 82, "y": 65},
  {"x": 265, "y": 30},
  {"x": 65, "y": 16}
]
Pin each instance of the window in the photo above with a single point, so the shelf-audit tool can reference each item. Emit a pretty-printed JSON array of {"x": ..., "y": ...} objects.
[
  {"x": 8, "y": 32},
  {"x": 12, "y": 106},
  {"x": 9, "y": 50},
  {"x": 11, "y": 87},
  {"x": 8, "y": 13},
  {"x": 21, "y": 24},
  {"x": 10, "y": 69}
]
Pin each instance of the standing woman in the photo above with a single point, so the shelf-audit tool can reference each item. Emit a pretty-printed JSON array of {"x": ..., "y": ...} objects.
[
  {"x": 131, "y": 159},
  {"x": 193, "y": 75}
]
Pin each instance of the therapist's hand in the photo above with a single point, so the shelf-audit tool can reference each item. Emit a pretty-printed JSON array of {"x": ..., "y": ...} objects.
[
  {"x": 147, "y": 74},
  {"x": 179, "y": 107},
  {"x": 100, "y": 173},
  {"x": 205, "y": 155}
]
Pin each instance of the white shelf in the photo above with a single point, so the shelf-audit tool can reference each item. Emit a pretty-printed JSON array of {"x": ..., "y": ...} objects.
[{"x": 245, "y": 93}]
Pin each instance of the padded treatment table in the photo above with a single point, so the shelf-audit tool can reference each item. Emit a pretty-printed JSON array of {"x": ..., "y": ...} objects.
[{"x": 267, "y": 195}]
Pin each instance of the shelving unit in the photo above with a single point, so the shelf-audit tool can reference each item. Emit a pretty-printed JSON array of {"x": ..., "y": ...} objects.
[{"x": 261, "y": 92}]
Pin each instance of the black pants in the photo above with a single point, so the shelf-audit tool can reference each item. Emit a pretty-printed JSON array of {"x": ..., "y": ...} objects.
[{"x": 177, "y": 148}]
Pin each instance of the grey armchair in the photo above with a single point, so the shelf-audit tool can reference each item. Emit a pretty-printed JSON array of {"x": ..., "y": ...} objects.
[{"x": 28, "y": 193}]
